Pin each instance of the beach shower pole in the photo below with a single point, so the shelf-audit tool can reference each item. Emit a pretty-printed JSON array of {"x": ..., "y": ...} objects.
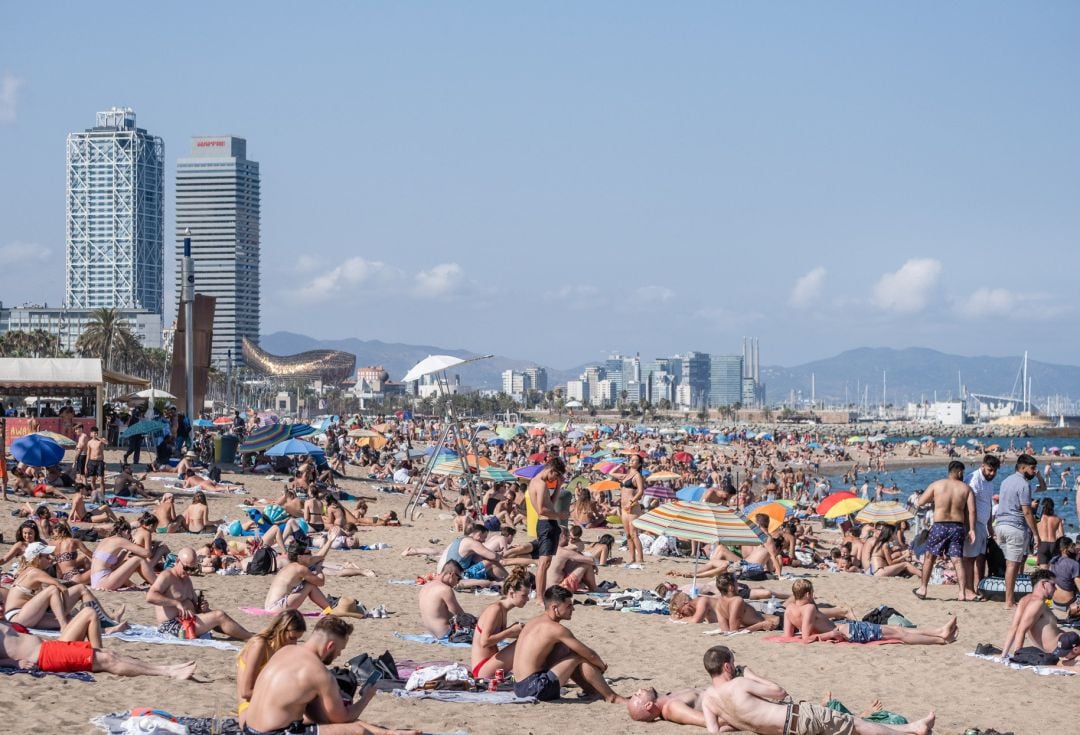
[{"x": 187, "y": 274}]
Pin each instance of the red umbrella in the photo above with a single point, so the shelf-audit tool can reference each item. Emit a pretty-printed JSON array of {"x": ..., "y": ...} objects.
[
  {"x": 538, "y": 457},
  {"x": 831, "y": 500},
  {"x": 684, "y": 457},
  {"x": 536, "y": 432},
  {"x": 223, "y": 420}
]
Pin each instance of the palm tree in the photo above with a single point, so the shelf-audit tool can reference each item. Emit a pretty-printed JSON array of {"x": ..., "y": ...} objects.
[{"x": 107, "y": 336}]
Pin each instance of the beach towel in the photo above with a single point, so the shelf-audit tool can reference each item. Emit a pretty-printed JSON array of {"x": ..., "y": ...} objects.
[
  {"x": 122, "y": 723},
  {"x": 78, "y": 676},
  {"x": 407, "y": 666},
  {"x": 402, "y": 581},
  {"x": 466, "y": 697},
  {"x": 263, "y": 611},
  {"x": 148, "y": 634},
  {"x": 799, "y": 639},
  {"x": 430, "y": 639},
  {"x": 727, "y": 633},
  {"x": 1040, "y": 670}
]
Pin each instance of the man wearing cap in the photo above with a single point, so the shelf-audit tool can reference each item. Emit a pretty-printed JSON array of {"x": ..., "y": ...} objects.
[
  {"x": 1033, "y": 617},
  {"x": 1014, "y": 522},
  {"x": 175, "y": 597}
]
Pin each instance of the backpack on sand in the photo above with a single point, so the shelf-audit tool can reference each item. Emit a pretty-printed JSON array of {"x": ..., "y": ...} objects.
[{"x": 263, "y": 562}]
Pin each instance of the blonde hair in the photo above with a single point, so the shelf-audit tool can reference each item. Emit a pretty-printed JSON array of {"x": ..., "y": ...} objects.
[{"x": 801, "y": 589}]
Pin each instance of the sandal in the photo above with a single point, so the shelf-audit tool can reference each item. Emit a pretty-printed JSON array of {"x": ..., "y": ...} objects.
[{"x": 918, "y": 594}]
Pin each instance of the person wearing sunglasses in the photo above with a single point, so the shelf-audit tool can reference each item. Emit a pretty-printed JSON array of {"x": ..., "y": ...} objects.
[{"x": 178, "y": 603}]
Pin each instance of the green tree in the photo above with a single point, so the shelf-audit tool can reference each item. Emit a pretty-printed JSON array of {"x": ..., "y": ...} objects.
[{"x": 108, "y": 337}]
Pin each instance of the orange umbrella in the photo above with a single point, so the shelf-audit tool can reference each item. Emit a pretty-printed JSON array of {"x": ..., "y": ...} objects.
[
  {"x": 775, "y": 511},
  {"x": 603, "y": 486},
  {"x": 664, "y": 476}
]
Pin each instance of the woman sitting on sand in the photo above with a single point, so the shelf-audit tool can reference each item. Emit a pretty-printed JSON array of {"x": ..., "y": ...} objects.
[
  {"x": 587, "y": 512},
  {"x": 491, "y": 627},
  {"x": 882, "y": 562},
  {"x": 79, "y": 513},
  {"x": 39, "y": 600},
  {"x": 285, "y": 629},
  {"x": 143, "y": 535},
  {"x": 116, "y": 558},
  {"x": 196, "y": 518},
  {"x": 72, "y": 556},
  {"x": 27, "y": 534}
]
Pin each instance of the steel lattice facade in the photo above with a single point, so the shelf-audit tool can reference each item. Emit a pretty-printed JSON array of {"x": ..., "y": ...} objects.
[{"x": 115, "y": 216}]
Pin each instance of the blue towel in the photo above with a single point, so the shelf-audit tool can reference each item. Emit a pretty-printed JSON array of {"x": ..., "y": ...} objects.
[
  {"x": 79, "y": 675},
  {"x": 428, "y": 638}
]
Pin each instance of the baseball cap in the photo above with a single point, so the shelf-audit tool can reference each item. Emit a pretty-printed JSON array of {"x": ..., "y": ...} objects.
[
  {"x": 36, "y": 549},
  {"x": 1066, "y": 643}
]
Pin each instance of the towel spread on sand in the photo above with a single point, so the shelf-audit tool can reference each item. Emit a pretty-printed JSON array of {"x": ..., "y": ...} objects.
[
  {"x": 1040, "y": 670},
  {"x": 726, "y": 633},
  {"x": 449, "y": 695},
  {"x": 116, "y": 723},
  {"x": 798, "y": 639},
  {"x": 428, "y": 638},
  {"x": 264, "y": 611},
  {"x": 79, "y": 676},
  {"x": 136, "y": 633},
  {"x": 407, "y": 666}
]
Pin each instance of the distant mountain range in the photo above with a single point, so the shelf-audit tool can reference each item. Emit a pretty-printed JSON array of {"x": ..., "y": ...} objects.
[{"x": 911, "y": 374}]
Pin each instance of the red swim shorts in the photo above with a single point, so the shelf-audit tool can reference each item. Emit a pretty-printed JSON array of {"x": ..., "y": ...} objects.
[{"x": 66, "y": 656}]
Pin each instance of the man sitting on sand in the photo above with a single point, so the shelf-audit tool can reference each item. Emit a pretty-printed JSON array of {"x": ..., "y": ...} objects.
[
  {"x": 1033, "y": 617},
  {"x": 300, "y": 579},
  {"x": 548, "y": 655},
  {"x": 740, "y": 700},
  {"x": 72, "y": 653},
  {"x": 732, "y": 612},
  {"x": 681, "y": 707},
  {"x": 295, "y": 686},
  {"x": 804, "y": 616},
  {"x": 439, "y": 604},
  {"x": 175, "y": 597},
  {"x": 571, "y": 569}
]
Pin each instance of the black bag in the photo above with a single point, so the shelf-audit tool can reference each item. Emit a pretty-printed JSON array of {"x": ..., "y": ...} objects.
[
  {"x": 881, "y": 615},
  {"x": 215, "y": 474},
  {"x": 263, "y": 562},
  {"x": 84, "y": 534},
  {"x": 347, "y": 682},
  {"x": 1031, "y": 656},
  {"x": 462, "y": 628}
]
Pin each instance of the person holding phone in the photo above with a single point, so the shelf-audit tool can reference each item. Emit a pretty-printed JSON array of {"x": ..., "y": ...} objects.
[{"x": 491, "y": 628}]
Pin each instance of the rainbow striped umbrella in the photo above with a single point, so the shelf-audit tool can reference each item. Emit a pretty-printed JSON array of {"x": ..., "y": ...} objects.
[
  {"x": 265, "y": 437},
  {"x": 705, "y": 522},
  {"x": 60, "y": 439},
  {"x": 885, "y": 511}
]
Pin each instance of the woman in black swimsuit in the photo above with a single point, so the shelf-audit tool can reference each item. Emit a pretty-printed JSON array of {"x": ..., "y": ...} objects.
[{"x": 633, "y": 490}]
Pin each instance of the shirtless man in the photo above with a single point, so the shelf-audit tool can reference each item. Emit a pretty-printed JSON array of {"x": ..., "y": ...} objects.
[
  {"x": 732, "y": 612},
  {"x": 572, "y": 569},
  {"x": 548, "y": 655},
  {"x": 542, "y": 491},
  {"x": 174, "y": 595},
  {"x": 81, "y": 438},
  {"x": 438, "y": 603},
  {"x": 1033, "y": 617},
  {"x": 477, "y": 560},
  {"x": 300, "y": 580},
  {"x": 740, "y": 700},
  {"x": 95, "y": 466},
  {"x": 73, "y": 653},
  {"x": 954, "y": 524},
  {"x": 295, "y": 683},
  {"x": 682, "y": 706},
  {"x": 803, "y": 616}
]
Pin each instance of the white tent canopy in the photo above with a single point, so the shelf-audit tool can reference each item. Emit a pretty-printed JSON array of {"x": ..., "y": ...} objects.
[{"x": 50, "y": 371}]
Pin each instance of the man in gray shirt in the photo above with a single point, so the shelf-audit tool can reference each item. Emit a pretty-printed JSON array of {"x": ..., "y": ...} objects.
[{"x": 1014, "y": 524}]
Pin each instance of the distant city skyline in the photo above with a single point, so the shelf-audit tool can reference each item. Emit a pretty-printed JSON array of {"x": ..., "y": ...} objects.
[{"x": 558, "y": 184}]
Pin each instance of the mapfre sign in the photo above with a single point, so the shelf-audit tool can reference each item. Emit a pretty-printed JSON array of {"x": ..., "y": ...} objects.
[{"x": 216, "y": 143}]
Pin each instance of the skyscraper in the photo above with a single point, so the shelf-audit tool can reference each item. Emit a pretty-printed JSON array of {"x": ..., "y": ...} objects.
[
  {"x": 725, "y": 380},
  {"x": 217, "y": 198},
  {"x": 115, "y": 223}
]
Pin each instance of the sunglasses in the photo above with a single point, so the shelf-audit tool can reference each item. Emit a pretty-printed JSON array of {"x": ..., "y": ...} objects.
[{"x": 191, "y": 568}]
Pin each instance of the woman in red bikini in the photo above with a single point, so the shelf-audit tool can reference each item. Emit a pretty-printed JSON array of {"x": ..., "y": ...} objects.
[{"x": 491, "y": 628}]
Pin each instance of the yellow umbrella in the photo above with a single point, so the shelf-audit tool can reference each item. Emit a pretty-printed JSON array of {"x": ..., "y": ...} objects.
[
  {"x": 664, "y": 476},
  {"x": 846, "y": 507},
  {"x": 887, "y": 511}
]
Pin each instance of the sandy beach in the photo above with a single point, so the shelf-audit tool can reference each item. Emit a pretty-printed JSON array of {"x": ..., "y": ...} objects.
[{"x": 641, "y": 650}]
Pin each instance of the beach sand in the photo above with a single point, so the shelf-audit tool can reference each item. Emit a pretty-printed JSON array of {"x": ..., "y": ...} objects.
[{"x": 641, "y": 650}]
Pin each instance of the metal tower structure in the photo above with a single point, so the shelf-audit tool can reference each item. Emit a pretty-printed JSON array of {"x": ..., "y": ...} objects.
[{"x": 115, "y": 215}]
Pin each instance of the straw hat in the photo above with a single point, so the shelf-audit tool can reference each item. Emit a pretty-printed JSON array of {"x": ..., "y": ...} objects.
[{"x": 348, "y": 607}]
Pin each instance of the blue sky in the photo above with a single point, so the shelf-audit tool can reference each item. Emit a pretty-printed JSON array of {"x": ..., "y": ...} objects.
[{"x": 553, "y": 181}]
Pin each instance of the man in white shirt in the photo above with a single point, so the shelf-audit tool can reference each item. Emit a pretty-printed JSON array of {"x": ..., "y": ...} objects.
[{"x": 982, "y": 483}]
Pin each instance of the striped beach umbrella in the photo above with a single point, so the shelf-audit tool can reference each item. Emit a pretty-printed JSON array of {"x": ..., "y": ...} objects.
[
  {"x": 298, "y": 430},
  {"x": 846, "y": 507},
  {"x": 886, "y": 511},
  {"x": 450, "y": 468},
  {"x": 832, "y": 499},
  {"x": 492, "y": 473},
  {"x": 60, "y": 439},
  {"x": 704, "y": 522},
  {"x": 664, "y": 476},
  {"x": 263, "y": 438},
  {"x": 660, "y": 492}
]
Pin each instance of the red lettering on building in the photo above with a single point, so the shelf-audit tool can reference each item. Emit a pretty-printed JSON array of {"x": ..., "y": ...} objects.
[{"x": 208, "y": 143}]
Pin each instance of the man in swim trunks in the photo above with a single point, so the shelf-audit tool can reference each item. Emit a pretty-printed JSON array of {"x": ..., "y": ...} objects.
[
  {"x": 302, "y": 578},
  {"x": 175, "y": 597},
  {"x": 438, "y": 603},
  {"x": 954, "y": 522},
  {"x": 573, "y": 570},
  {"x": 19, "y": 649},
  {"x": 476, "y": 560},
  {"x": 1033, "y": 617},
  {"x": 95, "y": 466},
  {"x": 295, "y": 683},
  {"x": 81, "y": 439},
  {"x": 740, "y": 700},
  {"x": 542, "y": 491},
  {"x": 803, "y": 616},
  {"x": 548, "y": 655},
  {"x": 732, "y": 612},
  {"x": 682, "y": 707}
]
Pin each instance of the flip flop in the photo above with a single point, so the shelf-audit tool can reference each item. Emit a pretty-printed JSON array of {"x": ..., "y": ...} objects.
[{"x": 918, "y": 594}]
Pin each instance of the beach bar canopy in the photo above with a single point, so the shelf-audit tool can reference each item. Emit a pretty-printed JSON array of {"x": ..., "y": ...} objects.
[{"x": 66, "y": 377}]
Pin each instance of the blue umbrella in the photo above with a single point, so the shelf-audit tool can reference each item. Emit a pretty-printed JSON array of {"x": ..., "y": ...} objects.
[
  {"x": 140, "y": 428},
  {"x": 291, "y": 447},
  {"x": 606, "y": 430},
  {"x": 589, "y": 460},
  {"x": 721, "y": 439},
  {"x": 813, "y": 445},
  {"x": 298, "y": 430},
  {"x": 203, "y": 423},
  {"x": 496, "y": 441},
  {"x": 37, "y": 451},
  {"x": 575, "y": 434},
  {"x": 691, "y": 492}
]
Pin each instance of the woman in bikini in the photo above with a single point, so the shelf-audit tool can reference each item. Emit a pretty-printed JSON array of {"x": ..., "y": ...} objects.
[
  {"x": 27, "y": 534},
  {"x": 39, "y": 600},
  {"x": 882, "y": 561},
  {"x": 1050, "y": 530},
  {"x": 79, "y": 513},
  {"x": 586, "y": 512},
  {"x": 115, "y": 559},
  {"x": 196, "y": 516},
  {"x": 491, "y": 627},
  {"x": 285, "y": 629},
  {"x": 633, "y": 490},
  {"x": 72, "y": 556},
  {"x": 144, "y": 536}
]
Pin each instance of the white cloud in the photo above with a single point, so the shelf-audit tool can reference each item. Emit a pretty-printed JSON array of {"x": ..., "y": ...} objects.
[
  {"x": 307, "y": 263},
  {"x": 655, "y": 294},
  {"x": 440, "y": 281},
  {"x": 808, "y": 288},
  {"x": 728, "y": 319},
  {"x": 908, "y": 290},
  {"x": 574, "y": 296},
  {"x": 9, "y": 96},
  {"x": 351, "y": 273},
  {"x": 986, "y": 302},
  {"x": 18, "y": 253}
]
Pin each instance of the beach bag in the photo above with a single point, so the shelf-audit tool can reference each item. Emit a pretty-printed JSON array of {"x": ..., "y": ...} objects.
[
  {"x": 462, "y": 628},
  {"x": 880, "y": 615},
  {"x": 1031, "y": 656},
  {"x": 263, "y": 562},
  {"x": 993, "y": 588},
  {"x": 215, "y": 474},
  {"x": 84, "y": 534}
]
